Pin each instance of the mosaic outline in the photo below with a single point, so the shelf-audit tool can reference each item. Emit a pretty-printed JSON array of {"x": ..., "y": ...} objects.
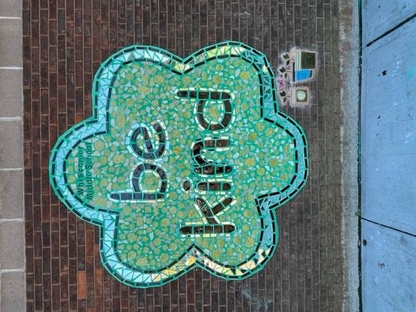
[{"x": 100, "y": 124}]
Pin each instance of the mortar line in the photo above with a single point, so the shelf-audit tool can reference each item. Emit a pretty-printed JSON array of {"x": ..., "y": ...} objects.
[
  {"x": 389, "y": 227},
  {"x": 10, "y": 18},
  {"x": 391, "y": 30},
  {"x": 3, "y": 220},
  {"x": 18, "y": 118},
  {"x": 11, "y": 67},
  {"x": 12, "y": 271},
  {"x": 10, "y": 169}
]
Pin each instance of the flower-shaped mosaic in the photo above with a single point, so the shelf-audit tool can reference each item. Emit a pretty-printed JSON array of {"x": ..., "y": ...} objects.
[{"x": 182, "y": 163}]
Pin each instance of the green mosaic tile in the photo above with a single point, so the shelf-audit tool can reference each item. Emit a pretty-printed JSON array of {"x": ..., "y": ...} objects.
[{"x": 182, "y": 163}]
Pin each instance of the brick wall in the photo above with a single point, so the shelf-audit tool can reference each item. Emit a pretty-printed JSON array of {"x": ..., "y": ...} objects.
[{"x": 65, "y": 42}]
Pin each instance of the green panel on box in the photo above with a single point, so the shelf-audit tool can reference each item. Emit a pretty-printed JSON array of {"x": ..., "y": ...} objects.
[
  {"x": 308, "y": 60},
  {"x": 182, "y": 163}
]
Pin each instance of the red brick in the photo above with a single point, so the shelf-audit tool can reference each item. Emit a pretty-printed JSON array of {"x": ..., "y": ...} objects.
[
  {"x": 64, "y": 43},
  {"x": 82, "y": 285}
]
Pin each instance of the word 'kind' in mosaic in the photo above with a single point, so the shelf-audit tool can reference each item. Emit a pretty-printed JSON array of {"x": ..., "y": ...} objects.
[{"x": 182, "y": 163}]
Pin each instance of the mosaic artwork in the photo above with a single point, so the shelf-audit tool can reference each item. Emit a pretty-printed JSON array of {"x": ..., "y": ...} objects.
[
  {"x": 182, "y": 163},
  {"x": 298, "y": 67}
]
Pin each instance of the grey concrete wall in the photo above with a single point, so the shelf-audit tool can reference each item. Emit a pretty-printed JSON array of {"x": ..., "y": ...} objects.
[
  {"x": 12, "y": 254},
  {"x": 388, "y": 146}
]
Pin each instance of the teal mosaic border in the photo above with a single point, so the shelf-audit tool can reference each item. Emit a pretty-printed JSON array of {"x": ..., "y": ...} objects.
[{"x": 109, "y": 221}]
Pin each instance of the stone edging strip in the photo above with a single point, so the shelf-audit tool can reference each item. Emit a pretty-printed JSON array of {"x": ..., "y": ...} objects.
[
  {"x": 12, "y": 238},
  {"x": 349, "y": 93}
]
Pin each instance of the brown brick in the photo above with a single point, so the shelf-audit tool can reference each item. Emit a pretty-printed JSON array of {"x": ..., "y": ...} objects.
[
  {"x": 82, "y": 285},
  {"x": 65, "y": 42}
]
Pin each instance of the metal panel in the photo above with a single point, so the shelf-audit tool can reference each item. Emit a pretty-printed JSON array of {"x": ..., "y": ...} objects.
[
  {"x": 380, "y": 16},
  {"x": 388, "y": 130},
  {"x": 388, "y": 269}
]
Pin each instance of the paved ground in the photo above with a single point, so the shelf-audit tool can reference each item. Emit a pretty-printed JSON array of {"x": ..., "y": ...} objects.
[
  {"x": 388, "y": 220},
  {"x": 65, "y": 42}
]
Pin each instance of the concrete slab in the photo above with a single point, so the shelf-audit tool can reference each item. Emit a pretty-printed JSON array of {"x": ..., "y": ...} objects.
[
  {"x": 9, "y": 8},
  {"x": 11, "y": 42},
  {"x": 12, "y": 245},
  {"x": 11, "y": 103},
  {"x": 11, "y": 138},
  {"x": 388, "y": 262},
  {"x": 11, "y": 194},
  {"x": 388, "y": 130},
  {"x": 380, "y": 16},
  {"x": 12, "y": 291}
]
